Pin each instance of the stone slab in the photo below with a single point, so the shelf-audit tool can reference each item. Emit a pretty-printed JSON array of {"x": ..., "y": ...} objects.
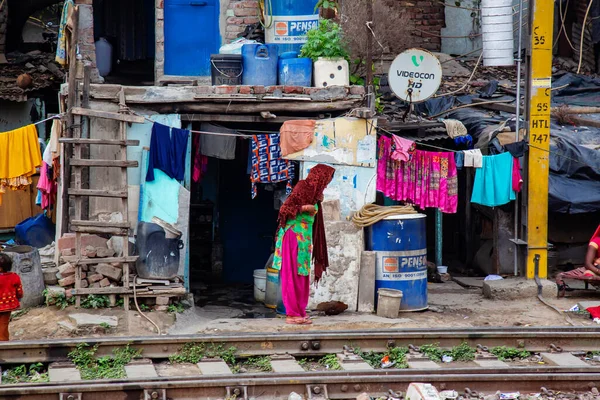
[
  {"x": 145, "y": 370},
  {"x": 491, "y": 364},
  {"x": 517, "y": 289},
  {"x": 366, "y": 282},
  {"x": 355, "y": 366},
  {"x": 283, "y": 366},
  {"x": 88, "y": 320},
  {"x": 584, "y": 305},
  {"x": 170, "y": 370},
  {"x": 214, "y": 368},
  {"x": 563, "y": 360},
  {"x": 59, "y": 372},
  {"x": 426, "y": 364},
  {"x": 468, "y": 282}
]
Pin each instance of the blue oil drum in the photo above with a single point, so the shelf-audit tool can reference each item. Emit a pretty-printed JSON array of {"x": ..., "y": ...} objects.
[
  {"x": 260, "y": 64},
  {"x": 401, "y": 246},
  {"x": 294, "y": 71},
  {"x": 287, "y": 22}
]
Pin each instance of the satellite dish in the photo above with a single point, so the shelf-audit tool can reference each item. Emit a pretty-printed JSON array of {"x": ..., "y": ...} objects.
[{"x": 415, "y": 75}]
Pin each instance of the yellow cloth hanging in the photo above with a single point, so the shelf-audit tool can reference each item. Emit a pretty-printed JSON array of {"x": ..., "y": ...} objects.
[{"x": 20, "y": 156}]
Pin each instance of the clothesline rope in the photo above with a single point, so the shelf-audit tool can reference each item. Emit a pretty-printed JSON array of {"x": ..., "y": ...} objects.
[{"x": 49, "y": 118}]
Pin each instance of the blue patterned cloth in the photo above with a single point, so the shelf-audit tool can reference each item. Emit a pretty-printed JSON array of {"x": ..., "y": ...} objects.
[{"x": 268, "y": 166}]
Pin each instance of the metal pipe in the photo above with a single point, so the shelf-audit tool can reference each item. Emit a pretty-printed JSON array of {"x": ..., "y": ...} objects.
[
  {"x": 517, "y": 128},
  {"x": 438, "y": 237}
]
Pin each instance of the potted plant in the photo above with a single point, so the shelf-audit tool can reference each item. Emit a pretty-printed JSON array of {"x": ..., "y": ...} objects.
[
  {"x": 328, "y": 8},
  {"x": 325, "y": 45}
]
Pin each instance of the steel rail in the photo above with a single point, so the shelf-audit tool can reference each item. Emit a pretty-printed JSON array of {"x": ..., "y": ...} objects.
[
  {"x": 314, "y": 343},
  {"x": 334, "y": 385}
]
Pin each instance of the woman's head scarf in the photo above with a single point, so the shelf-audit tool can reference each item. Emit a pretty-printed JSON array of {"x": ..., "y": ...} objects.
[{"x": 310, "y": 192}]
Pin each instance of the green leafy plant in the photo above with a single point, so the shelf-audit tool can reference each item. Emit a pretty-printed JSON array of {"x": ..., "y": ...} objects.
[
  {"x": 176, "y": 308},
  {"x": 398, "y": 355},
  {"x": 120, "y": 302},
  {"x": 107, "y": 367},
  {"x": 303, "y": 362},
  {"x": 330, "y": 361},
  {"x": 145, "y": 308},
  {"x": 262, "y": 364},
  {"x": 432, "y": 351},
  {"x": 510, "y": 353},
  {"x": 19, "y": 313},
  {"x": 327, "y": 40},
  {"x": 21, "y": 374},
  {"x": 57, "y": 299},
  {"x": 95, "y": 301},
  {"x": 195, "y": 352},
  {"x": 327, "y": 4},
  {"x": 105, "y": 326},
  {"x": 462, "y": 352}
]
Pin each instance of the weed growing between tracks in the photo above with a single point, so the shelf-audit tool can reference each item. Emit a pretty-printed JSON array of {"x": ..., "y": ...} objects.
[
  {"x": 260, "y": 364},
  {"x": 108, "y": 367},
  {"x": 462, "y": 352},
  {"x": 195, "y": 352},
  {"x": 510, "y": 353},
  {"x": 21, "y": 374},
  {"x": 397, "y": 355},
  {"x": 331, "y": 362}
]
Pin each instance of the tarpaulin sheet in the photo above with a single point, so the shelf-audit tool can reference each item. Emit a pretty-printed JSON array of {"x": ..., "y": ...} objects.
[{"x": 582, "y": 90}]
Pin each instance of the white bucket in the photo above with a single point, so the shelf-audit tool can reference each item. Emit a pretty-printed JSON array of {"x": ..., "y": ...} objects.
[
  {"x": 442, "y": 269},
  {"x": 388, "y": 302},
  {"x": 260, "y": 284}
]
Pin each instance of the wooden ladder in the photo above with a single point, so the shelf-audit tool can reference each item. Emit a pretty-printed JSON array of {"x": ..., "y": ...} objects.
[{"x": 81, "y": 226}]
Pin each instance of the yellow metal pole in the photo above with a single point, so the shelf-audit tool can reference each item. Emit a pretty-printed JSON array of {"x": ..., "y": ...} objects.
[{"x": 540, "y": 73}]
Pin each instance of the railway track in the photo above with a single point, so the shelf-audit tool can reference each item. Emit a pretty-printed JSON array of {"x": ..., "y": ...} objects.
[{"x": 152, "y": 377}]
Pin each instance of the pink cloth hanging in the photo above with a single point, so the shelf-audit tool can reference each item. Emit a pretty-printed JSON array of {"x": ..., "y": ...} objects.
[
  {"x": 47, "y": 186},
  {"x": 517, "y": 180}
]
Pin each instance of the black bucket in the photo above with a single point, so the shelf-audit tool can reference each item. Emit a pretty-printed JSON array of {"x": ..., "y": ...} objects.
[{"x": 226, "y": 69}]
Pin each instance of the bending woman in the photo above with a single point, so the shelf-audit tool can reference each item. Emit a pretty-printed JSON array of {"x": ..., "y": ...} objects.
[
  {"x": 589, "y": 272},
  {"x": 300, "y": 239}
]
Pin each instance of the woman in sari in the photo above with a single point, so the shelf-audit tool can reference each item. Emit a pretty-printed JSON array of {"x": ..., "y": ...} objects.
[
  {"x": 300, "y": 239},
  {"x": 590, "y": 271}
]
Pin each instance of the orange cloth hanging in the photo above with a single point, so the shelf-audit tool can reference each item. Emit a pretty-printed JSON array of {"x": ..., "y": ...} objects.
[{"x": 296, "y": 135}]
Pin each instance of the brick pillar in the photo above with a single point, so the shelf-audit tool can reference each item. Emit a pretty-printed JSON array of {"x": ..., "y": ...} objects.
[
  {"x": 159, "y": 56},
  {"x": 87, "y": 46},
  {"x": 239, "y": 15}
]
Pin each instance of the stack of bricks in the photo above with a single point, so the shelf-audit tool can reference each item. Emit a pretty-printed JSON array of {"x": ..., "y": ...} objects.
[
  {"x": 428, "y": 19},
  {"x": 239, "y": 15}
]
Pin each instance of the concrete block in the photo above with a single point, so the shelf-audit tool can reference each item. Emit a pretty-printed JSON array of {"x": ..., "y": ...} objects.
[
  {"x": 214, "y": 367},
  {"x": 424, "y": 364},
  {"x": 63, "y": 372},
  {"x": 563, "y": 360},
  {"x": 141, "y": 369},
  {"x": 352, "y": 362},
  {"x": 366, "y": 282},
  {"x": 83, "y": 320},
  {"x": 517, "y": 289},
  {"x": 584, "y": 305},
  {"x": 491, "y": 364},
  {"x": 161, "y": 308},
  {"x": 162, "y": 301},
  {"x": 169, "y": 370},
  {"x": 285, "y": 364},
  {"x": 109, "y": 271}
]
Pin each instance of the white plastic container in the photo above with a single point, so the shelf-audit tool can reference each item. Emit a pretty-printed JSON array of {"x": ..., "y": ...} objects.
[
  {"x": 497, "y": 33},
  {"x": 331, "y": 72},
  {"x": 260, "y": 284},
  {"x": 442, "y": 269},
  {"x": 104, "y": 56}
]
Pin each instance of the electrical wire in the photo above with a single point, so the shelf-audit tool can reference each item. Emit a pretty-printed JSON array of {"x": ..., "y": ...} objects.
[
  {"x": 562, "y": 24},
  {"x": 466, "y": 83},
  {"x": 583, "y": 35}
]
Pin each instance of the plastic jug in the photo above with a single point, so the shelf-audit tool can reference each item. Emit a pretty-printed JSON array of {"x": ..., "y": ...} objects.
[
  {"x": 104, "y": 55},
  {"x": 260, "y": 64}
]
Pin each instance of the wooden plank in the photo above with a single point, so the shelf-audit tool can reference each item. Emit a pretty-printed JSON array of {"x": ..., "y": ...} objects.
[
  {"x": 97, "y": 229},
  {"x": 109, "y": 142},
  {"x": 125, "y": 201},
  {"x": 103, "y": 163},
  {"x": 92, "y": 261},
  {"x": 105, "y": 290},
  {"x": 98, "y": 193},
  {"x": 237, "y": 118},
  {"x": 100, "y": 224},
  {"x": 108, "y": 115},
  {"x": 250, "y": 108}
]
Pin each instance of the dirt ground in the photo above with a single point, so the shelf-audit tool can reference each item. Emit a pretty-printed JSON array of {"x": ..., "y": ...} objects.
[{"x": 450, "y": 305}]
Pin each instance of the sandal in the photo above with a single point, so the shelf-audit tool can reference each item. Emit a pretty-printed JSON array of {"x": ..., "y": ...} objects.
[
  {"x": 307, "y": 321},
  {"x": 294, "y": 321}
]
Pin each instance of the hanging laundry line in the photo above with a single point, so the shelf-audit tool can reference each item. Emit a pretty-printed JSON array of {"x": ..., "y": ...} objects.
[{"x": 49, "y": 118}]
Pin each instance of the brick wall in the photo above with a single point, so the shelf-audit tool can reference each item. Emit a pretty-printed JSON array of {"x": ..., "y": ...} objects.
[
  {"x": 239, "y": 15},
  {"x": 3, "y": 25},
  {"x": 427, "y": 18}
]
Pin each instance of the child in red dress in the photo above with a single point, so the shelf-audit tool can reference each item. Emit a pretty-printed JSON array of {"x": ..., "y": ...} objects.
[{"x": 11, "y": 291}]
